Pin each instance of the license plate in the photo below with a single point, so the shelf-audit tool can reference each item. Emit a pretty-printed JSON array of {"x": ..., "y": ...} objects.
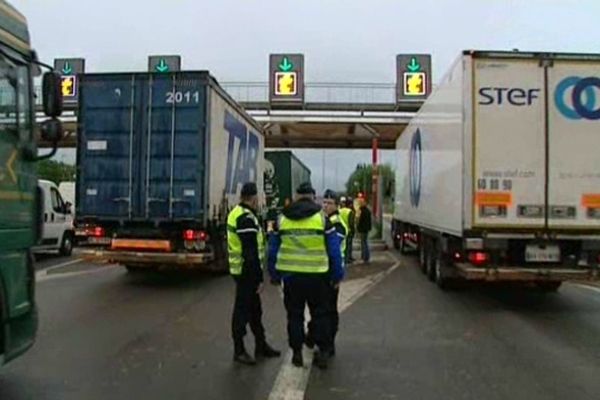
[
  {"x": 99, "y": 240},
  {"x": 80, "y": 233},
  {"x": 542, "y": 253}
]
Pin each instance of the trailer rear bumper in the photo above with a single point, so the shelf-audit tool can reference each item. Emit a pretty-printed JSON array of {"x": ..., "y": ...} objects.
[
  {"x": 539, "y": 274},
  {"x": 149, "y": 259}
]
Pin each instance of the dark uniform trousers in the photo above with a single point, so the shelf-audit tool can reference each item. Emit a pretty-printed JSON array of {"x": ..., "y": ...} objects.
[
  {"x": 313, "y": 290},
  {"x": 247, "y": 310}
]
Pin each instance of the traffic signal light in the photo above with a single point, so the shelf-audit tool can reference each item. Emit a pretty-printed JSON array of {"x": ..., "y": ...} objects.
[
  {"x": 286, "y": 84},
  {"x": 414, "y": 84},
  {"x": 68, "y": 84}
]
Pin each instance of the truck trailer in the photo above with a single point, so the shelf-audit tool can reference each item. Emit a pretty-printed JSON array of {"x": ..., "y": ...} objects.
[
  {"x": 498, "y": 175},
  {"x": 161, "y": 159},
  {"x": 283, "y": 173}
]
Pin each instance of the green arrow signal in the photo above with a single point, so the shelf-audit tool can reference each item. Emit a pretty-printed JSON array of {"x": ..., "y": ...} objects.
[
  {"x": 67, "y": 68},
  {"x": 414, "y": 65},
  {"x": 162, "y": 66},
  {"x": 286, "y": 65}
]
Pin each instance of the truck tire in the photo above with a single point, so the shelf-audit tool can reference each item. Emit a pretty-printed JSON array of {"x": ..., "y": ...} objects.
[
  {"x": 66, "y": 245},
  {"x": 441, "y": 273},
  {"x": 431, "y": 260},
  {"x": 423, "y": 258},
  {"x": 549, "y": 287}
]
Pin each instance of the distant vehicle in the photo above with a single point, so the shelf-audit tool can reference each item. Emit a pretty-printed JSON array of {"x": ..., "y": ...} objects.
[
  {"x": 161, "y": 160},
  {"x": 57, "y": 233},
  {"x": 283, "y": 172},
  {"x": 498, "y": 173},
  {"x": 20, "y": 200}
]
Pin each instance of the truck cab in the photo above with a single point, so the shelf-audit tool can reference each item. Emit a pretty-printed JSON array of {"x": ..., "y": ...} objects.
[
  {"x": 57, "y": 233},
  {"x": 21, "y": 219}
]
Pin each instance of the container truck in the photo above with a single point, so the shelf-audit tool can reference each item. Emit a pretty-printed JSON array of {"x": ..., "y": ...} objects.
[
  {"x": 21, "y": 203},
  {"x": 498, "y": 175},
  {"x": 161, "y": 158},
  {"x": 283, "y": 173}
]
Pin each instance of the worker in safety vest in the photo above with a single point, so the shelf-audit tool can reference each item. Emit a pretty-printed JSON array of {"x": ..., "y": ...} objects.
[
  {"x": 330, "y": 207},
  {"x": 305, "y": 252},
  {"x": 245, "y": 241},
  {"x": 348, "y": 216}
]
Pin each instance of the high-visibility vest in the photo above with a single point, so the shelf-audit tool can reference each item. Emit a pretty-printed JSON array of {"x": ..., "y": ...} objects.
[
  {"x": 234, "y": 244},
  {"x": 345, "y": 215},
  {"x": 337, "y": 218},
  {"x": 303, "y": 248}
]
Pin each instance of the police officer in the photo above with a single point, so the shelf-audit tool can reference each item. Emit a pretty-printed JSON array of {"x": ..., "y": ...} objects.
[
  {"x": 305, "y": 252},
  {"x": 245, "y": 241},
  {"x": 348, "y": 216},
  {"x": 330, "y": 206}
]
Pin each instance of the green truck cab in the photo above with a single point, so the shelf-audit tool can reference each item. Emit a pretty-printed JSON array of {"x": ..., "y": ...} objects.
[{"x": 20, "y": 217}]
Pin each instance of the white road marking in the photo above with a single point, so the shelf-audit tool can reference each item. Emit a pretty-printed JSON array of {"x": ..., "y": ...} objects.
[
  {"x": 588, "y": 287},
  {"x": 291, "y": 381},
  {"x": 43, "y": 276}
]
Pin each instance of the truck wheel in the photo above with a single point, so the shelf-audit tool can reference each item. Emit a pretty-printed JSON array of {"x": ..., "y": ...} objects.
[
  {"x": 431, "y": 260},
  {"x": 423, "y": 258},
  {"x": 134, "y": 269},
  {"x": 441, "y": 271},
  {"x": 66, "y": 246},
  {"x": 549, "y": 287}
]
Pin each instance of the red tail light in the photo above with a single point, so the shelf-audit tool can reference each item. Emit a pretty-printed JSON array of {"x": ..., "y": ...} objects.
[
  {"x": 190, "y": 234},
  {"x": 405, "y": 235},
  {"x": 479, "y": 257},
  {"x": 99, "y": 231}
]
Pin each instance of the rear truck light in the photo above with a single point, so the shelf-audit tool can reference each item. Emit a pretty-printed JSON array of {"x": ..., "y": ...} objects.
[
  {"x": 457, "y": 256},
  {"x": 478, "y": 258},
  {"x": 405, "y": 235},
  {"x": 98, "y": 231},
  {"x": 192, "y": 235},
  {"x": 530, "y": 211}
]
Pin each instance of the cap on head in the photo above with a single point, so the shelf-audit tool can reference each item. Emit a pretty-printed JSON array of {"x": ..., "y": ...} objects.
[
  {"x": 330, "y": 194},
  {"x": 305, "y": 188},
  {"x": 249, "y": 189}
]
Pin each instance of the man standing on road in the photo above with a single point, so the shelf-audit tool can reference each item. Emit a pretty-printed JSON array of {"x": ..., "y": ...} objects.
[
  {"x": 363, "y": 227},
  {"x": 245, "y": 241},
  {"x": 305, "y": 252},
  {"x": 348, "y": 217},
  {"x": 330, "y": 206}
]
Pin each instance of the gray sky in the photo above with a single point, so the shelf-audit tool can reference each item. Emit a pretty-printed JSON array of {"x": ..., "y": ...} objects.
[{"x": 343, "y": 40}]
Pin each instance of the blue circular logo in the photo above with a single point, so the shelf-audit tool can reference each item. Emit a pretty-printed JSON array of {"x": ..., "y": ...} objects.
[
  {"x": 415, "y": 169},
  {"x": 583, "y": 107}
]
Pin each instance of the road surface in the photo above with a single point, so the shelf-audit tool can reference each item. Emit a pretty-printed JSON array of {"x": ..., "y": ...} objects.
[{"x": 105, "y": 334}]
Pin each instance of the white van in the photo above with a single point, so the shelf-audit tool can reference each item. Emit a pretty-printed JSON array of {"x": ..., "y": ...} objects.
[{"x": 58, "y": 232}]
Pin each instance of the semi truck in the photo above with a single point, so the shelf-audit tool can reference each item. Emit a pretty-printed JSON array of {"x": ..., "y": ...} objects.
[
  {"x": 498, "y": 174},
  {"x": 21, "y": 210},
  {"x": 161, "y": 159},
  {"x": 283, "y": 172}
]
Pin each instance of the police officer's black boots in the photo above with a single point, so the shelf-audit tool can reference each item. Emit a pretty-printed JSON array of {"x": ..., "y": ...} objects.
[
  {"x": 321, "y": 359},
  {"x": 241, "y": 355},
  {"x": 297, "y": 358},
  {"x": 264, "y": 350}
]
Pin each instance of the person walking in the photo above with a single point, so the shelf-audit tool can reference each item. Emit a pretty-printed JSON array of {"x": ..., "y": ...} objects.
[
  {"x": 305, "y": 253},
  {"x": 245, "y": 242},
  {"x": 363, "y": 227}
]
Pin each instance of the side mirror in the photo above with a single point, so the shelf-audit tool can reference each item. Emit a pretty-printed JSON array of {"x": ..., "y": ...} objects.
[
  {"x": 68, "y": 207},
  {"x": 52, "y": 131},
  {"x": 52, "y": 94}
]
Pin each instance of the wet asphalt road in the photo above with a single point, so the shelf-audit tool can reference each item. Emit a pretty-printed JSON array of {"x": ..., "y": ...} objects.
[{"x": 105, "y": 334}]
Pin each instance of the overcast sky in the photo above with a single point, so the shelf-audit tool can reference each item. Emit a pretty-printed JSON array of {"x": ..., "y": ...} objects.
[{"x": 343, "y": 40}]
